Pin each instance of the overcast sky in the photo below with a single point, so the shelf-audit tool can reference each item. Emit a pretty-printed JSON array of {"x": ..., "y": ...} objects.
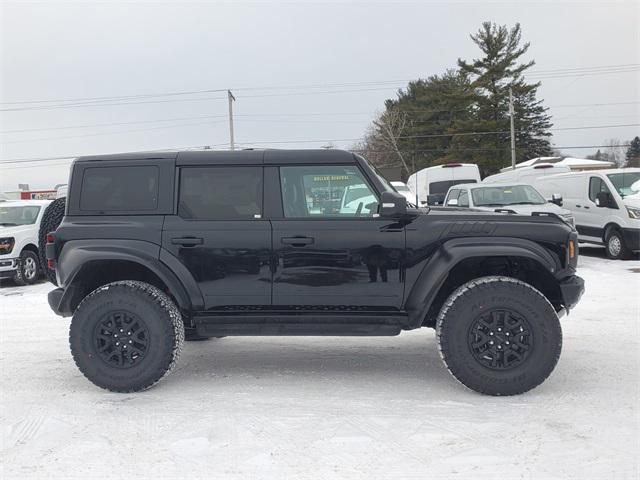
[{"x": 61, "y": 51}]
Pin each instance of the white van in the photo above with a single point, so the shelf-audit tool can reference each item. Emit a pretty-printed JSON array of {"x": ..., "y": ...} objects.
[
  {"x": 405, "y": 191},
  {"x": 527, "y": 174},
  {"x": 605, "y": 205},
  {"x": 430, "y": 185}
]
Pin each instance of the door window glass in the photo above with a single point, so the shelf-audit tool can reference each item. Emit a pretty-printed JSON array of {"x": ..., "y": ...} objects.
[
  {"x": 220, "y": 193},
  {"x": 596, "y": 185},
  {"x": 453, "y": 195},
  {"x": 326, "y": 191}
]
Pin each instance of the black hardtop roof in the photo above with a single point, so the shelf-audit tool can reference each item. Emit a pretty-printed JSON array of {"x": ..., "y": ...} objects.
[{"x": 236, "y": 157}]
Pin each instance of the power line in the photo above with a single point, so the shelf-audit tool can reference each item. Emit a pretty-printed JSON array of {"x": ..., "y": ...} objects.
[
  {"x": 541, "y": 74},
  {"x": 206, "y": 147}
]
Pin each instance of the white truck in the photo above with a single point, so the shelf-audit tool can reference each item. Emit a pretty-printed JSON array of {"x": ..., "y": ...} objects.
[
  {"x": 19, "y": 224},
  {"x": 430, "y": 185},
  {"x": 605, "y": 204},
  {"x": 517, "y": 198}
]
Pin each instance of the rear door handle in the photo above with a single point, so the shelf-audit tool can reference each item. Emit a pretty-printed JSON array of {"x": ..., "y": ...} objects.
[
  {"x": 187, "y": 241},
  {"x": 297, "y": 241}
]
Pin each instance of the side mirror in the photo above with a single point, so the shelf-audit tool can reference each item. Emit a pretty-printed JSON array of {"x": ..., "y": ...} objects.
[
  {"x": 556, "y": 199},
  {"x": 392, "y": 205},
  {"x": 452, "y": 203},
  {"x": 604, "y": 200}
]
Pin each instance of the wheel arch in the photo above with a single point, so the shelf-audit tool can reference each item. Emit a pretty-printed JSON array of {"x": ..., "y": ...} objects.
[
  {"x": 607, "y": 228},
  {"x": 461, "y": 260},
  {"x": 84, "y": 266}
]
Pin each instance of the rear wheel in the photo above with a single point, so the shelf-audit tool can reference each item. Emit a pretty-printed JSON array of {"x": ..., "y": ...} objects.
[
  {"x": 126, "y": 336},
  {"x": 499, "y": 336},
  {"x": 615, "y": 245},
  {"x": 28, "y": 269}
]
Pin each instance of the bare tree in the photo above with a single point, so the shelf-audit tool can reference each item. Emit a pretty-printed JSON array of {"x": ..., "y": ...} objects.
[
  {"x": 614, "y": 152},
  {"x": 388, "y": 128}
]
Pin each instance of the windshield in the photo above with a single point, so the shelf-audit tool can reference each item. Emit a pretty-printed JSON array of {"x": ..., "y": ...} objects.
[
  {"x": 501, "y": 196},
  {"x": 623, "y": 182},
  {"x": 12, "y": 216}
]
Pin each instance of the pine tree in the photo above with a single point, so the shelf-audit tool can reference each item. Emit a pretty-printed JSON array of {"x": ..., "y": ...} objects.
[
  {"x": 633, "y": 153},
  {"x": 491, "y": 77}
]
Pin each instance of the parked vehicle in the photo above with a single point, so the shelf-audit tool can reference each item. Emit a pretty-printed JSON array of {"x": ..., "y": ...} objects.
[
  {"x": 516, "y": 198},
  {"x": 527, "y": 174},
  {"x": 405, "y": 191},
  {"x": 430, "y": 185},
  {"x": 157, "y": 246},
  {"x": 574, "y": 164},
  {"x": 605, "y": 204},
  {"x": 19, "y": 223}
]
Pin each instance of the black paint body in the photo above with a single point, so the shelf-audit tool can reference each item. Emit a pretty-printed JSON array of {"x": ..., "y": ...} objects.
[{"x": 275, "y": 275}]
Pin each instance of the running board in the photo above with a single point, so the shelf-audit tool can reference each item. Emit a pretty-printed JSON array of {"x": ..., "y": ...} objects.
[{"x": 299, "y": 325}]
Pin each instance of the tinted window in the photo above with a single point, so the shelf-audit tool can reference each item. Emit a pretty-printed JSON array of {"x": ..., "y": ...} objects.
[
  {"x": 220, "y": 193},
  {"x": 119, "y": 188},
  {"x": 443, "y": 186},
  {"x": 596, "y": 185},
  {"x": 326, "y": 190}
]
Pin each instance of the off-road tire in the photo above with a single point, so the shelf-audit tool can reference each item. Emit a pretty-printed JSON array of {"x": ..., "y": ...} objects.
[
  {"x": 28, "y": 270},
  {"x": 615, "y": 246},
  {"x": 475, "y": 300},
  {"x": 160, "y": 317},
  {"x": 51, "y": 219}
]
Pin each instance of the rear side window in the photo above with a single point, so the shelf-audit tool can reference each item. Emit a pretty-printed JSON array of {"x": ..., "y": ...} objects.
[
  {"x": 129, "y": 188},
  {"x": 220, "y": 193}
]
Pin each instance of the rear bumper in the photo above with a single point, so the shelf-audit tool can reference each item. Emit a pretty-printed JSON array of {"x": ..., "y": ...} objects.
[
  {"x": 631, "y": 238},
  {"x": 572, "y": 289}
]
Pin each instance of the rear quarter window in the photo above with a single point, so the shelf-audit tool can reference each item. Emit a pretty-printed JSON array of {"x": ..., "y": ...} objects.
[{"x": 116, "y": 189}]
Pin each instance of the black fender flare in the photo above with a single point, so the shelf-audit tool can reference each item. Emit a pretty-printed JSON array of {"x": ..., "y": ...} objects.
[
  {"x": 452, "y": 252},
  {"x": 77, "y": 255}
]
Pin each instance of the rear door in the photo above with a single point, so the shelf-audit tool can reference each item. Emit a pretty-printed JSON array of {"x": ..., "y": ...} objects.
[{"x": 219, "y": 233}]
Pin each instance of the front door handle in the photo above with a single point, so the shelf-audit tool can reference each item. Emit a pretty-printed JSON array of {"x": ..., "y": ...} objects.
[
  {"x": 187, "y": 241},
  {"x": 297, "y": 241}
]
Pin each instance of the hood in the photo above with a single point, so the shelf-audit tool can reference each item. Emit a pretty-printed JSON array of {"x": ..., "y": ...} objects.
[
  {"x": 632, "y": 200},
  {"x": 16, "y": 230},
  {"x": 529, "y": 209}
]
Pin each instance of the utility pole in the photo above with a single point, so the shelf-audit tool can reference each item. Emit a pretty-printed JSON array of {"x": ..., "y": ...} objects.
[
  {"x": 513, "y": 133},
  {"x": 231, "y": 100}
]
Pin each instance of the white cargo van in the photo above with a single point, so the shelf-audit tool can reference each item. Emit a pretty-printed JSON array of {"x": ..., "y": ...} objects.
[
  {"x": 527, "y": 174},
  {"x": 605, "y": 205},
  {"x": 430, "y": 185}
]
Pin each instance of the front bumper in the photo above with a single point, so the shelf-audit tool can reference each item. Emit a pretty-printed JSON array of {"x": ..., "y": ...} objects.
[
  {"x": 631, "y": 238},
  {"x": 8, "y": 267},
  {"x": 572, "y": 289}
]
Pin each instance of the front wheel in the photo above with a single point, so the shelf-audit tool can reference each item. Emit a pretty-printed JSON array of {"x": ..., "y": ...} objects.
[
  {"x": 125, "y": 336},
  {"x": 616, "y": 246},
  {"x": 499, "y": 336},
  {"x": 28, "y": 269}
]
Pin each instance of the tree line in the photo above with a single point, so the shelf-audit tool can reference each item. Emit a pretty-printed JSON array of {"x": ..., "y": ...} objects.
[{"x": 462, "y": 115}]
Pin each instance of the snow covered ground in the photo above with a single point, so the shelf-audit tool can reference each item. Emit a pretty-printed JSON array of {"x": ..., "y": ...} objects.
[{"x": 303, "y": 408}]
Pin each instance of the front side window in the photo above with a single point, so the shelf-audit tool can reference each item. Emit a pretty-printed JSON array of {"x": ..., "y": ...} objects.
[
  {"x": 127, "y": 188},
  {"x": 220, "y": 193},
  {"x": 596, "y": 186},
  {"x": 326, "y": 191},
  {"x": 14, "y": 216},
  {"x": 453, "y": 195}
]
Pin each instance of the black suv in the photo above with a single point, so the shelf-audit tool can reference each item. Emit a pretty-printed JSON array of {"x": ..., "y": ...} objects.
[{"x": 156, "y": 247}]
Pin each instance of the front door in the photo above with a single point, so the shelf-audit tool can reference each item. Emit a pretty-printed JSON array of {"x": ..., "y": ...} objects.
[
  {"x": 331, "y": 248},
  {"x": 220, "y": 236}
]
